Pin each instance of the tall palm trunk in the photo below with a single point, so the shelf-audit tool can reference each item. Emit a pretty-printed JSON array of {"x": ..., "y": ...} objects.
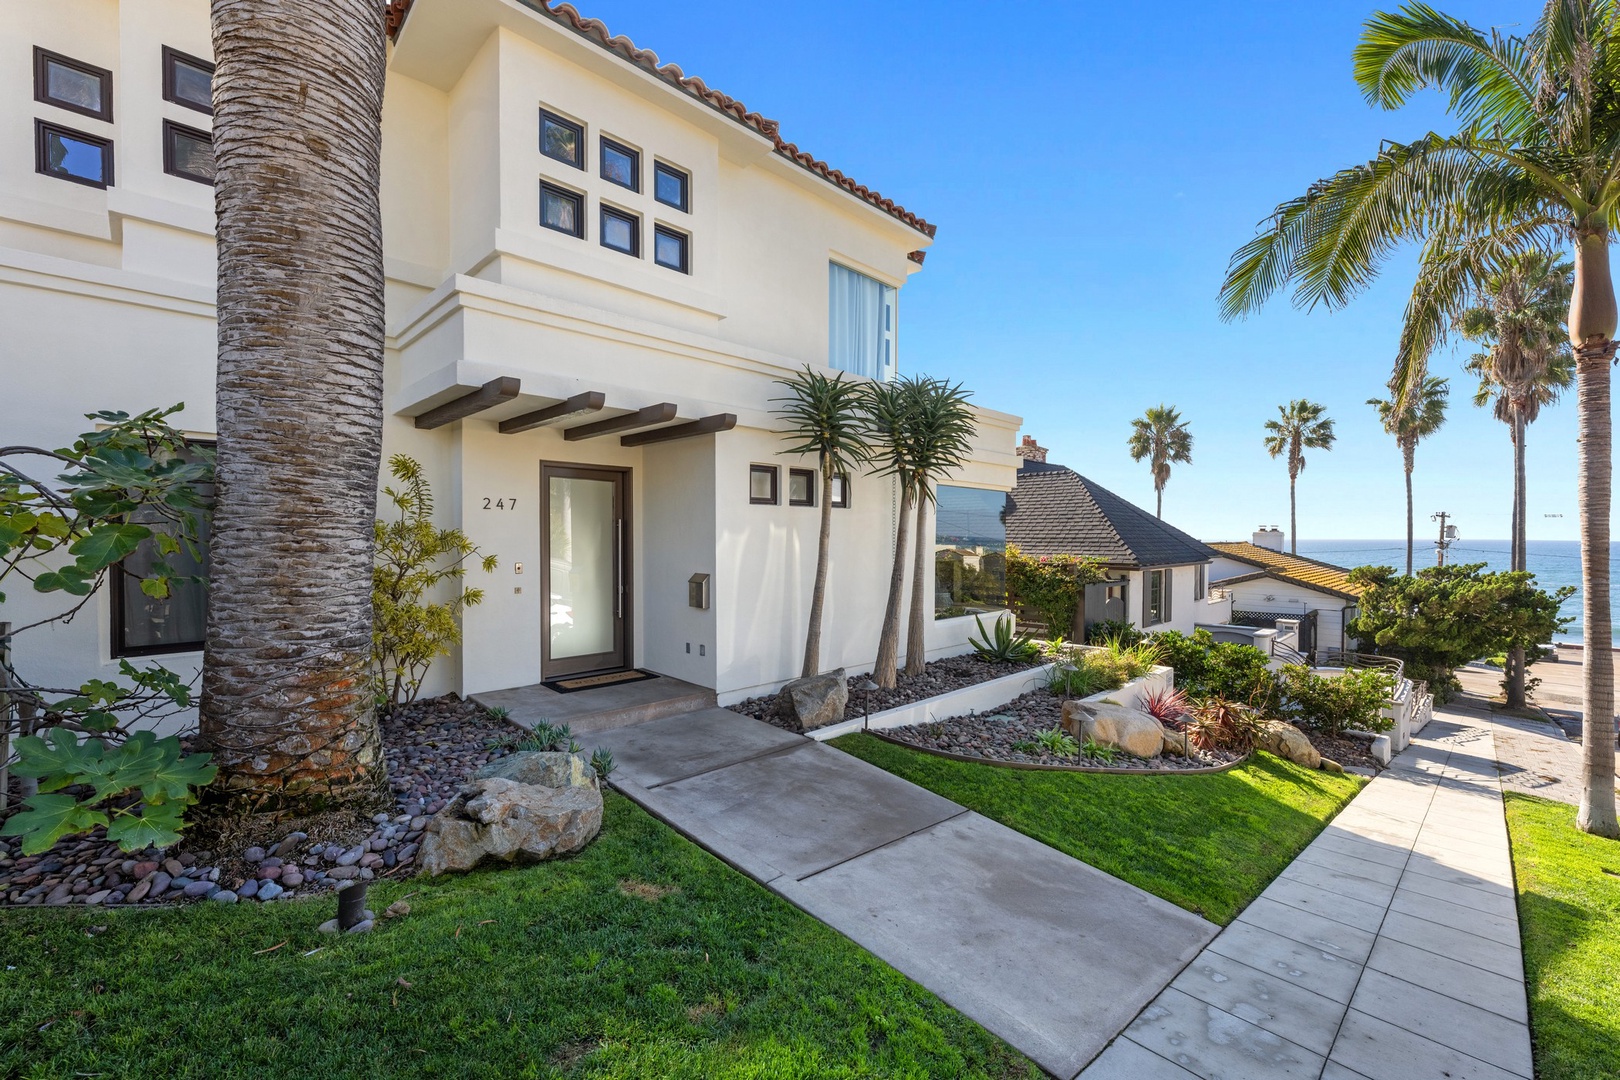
[
  {"x": 1592, "y": 318},
  {"x": 1293, "y": 513},
  {"x": 1514, "y": 681},
  {"x": 286, "y": 707},
  {"x": 1409, "y": 459},
  {"x": 1158, "y": 509},
  {"x": 917, "y": 629},
  {"x": 818, "y": 595},
  {"x": 883, "y": 671}
]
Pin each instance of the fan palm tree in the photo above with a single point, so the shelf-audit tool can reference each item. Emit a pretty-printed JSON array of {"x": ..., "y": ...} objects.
[
  {"x": 823, "y": 416},
  {"x": 286, "y": 705},
  {"x": 1160, "y": 435},
  {"x": 889, "y": 426},
  {"x": 1301, "y": 425},
  {"x": 1537, "y": 151},
  {"x": 942, "y": 430},
  {"x": 1412, "y": 421}
]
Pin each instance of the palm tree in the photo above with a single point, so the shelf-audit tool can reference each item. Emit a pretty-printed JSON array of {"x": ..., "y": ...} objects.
[
  {"x": 1161, "y": 435},
  {"x": 889, "y": 425},
  {"x": 1420, "y": 416},
  {"x": 1537, "y": 151},
  {"x": 822, "y": 416},
  {"x": 1301, "y": 426},
  {"x": 942, "y": 431},
  {"x": 286, "y": 704}
]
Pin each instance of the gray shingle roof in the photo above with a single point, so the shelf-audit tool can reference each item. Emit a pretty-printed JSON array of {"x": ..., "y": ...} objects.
[{"x": 1054, "y": 510}]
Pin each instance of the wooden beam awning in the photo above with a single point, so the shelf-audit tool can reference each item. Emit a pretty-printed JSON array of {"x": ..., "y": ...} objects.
[
  {"x": 491, "y": 394},
  {"x": 652, "y": 414},
  {"x": 578, "y": 405},
  {"x": 706, "y": 426}
]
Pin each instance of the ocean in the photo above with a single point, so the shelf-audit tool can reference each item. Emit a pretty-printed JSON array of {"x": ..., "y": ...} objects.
[{"x": 1554, "y": 562}]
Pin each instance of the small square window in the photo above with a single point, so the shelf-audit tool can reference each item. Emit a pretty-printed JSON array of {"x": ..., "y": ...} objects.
[
  {"x": 188, "y": 153},
  {"x": 70, "y": 84},
  {"x": 621, "y": 165},
  {"x": 621, "y": 231},
  {"x": 762, "y": 485},
  {"x": 562, "y": 210},
  {"x": 840, "y": 492},
  {"x": 72, "y": 155},
  {"x": 670, "y": 186},
  {"x": 188, "y": 81},
  {"x": 801, "y": 487},
  {"x": 562, "y": 139},
  {"x": 670, "y": 249}
]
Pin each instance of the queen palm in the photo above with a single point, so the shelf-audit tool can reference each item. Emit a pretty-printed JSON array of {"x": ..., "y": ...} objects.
[
  {"x": 1160, "y": 435},
  {"x": 889, "y": 406},
  {"x": 822, "y": 416},
  {"x": 1300, "y": 426},
  {"x": 1537, "y": 150},
  {"x": 286, "y": 707},
  {"x": 1411, "y": 421},
  {"x": 942, "y": 430}
]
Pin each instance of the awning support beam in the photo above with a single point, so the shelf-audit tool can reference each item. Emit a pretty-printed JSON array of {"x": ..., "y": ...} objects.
[
  {"x": 652, "y": 414},
  {"x": 578, "y": 405},
  {"x": 706, "y": 426},
  {"x": 491, "y": 394}
]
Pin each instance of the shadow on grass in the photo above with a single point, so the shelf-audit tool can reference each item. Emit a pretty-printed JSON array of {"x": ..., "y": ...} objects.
[{"x": 1209, "y": 843}]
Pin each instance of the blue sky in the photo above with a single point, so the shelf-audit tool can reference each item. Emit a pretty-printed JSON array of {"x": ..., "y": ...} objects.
[{"x": 1091, "y": 170}]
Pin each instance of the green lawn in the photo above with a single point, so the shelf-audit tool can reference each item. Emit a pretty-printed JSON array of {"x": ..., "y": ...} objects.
[
  {"x": 573, "y": 968},
  {"x": 1209, "y": 843},
  {"x": 1569, "y": 922}
]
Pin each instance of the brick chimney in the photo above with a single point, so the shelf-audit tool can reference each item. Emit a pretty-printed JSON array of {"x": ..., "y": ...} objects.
[{"x": 1031, "y": 450}]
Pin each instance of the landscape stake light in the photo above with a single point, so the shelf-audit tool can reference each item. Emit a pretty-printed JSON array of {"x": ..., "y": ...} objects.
[{"x": 352, "y": 904}]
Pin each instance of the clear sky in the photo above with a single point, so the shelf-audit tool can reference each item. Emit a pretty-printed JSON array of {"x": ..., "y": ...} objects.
[{"x": 1091, "y": 169}]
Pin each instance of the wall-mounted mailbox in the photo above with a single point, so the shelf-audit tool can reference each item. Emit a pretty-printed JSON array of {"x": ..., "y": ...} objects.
[{"x": 697, "y": 591}]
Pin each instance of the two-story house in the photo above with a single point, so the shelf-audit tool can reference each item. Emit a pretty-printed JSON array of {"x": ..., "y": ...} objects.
[{"x": 597, "y": 270}]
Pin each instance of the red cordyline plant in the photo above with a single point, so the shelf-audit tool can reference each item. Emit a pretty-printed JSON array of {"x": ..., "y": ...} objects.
[{"x": 1168, "y": 706}]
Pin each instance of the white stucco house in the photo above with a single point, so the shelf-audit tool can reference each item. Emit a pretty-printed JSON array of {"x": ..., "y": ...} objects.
[
  {"x": 1266, "y": 584},
  {"x": 597, "y": 269}
]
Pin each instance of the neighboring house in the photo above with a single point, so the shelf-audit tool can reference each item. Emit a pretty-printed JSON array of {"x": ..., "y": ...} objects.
[
  {"x": 1267, "y": 584},
  {"x": 1158, "y": 575},
  {"x": 597, "y": 268}
]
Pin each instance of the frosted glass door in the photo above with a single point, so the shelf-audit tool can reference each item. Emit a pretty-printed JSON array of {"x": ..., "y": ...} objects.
[{"x": 584, "y": 561}]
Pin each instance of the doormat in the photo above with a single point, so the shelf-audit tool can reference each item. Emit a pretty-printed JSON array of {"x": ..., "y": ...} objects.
[{"x": 592, "y": 682}]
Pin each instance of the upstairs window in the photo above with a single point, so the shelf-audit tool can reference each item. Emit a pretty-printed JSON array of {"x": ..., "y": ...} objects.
[
  {"x": 672, "y": 249},
  {"x": 621, "y": 165},
  {"x": 861, "y": 324},
  {"x": 671, "y": 186},
  {"x": 621, "y": 231},
  {"x": 188, "y": 153},
  {"x": 562, "y": 209},
  {"x": 188, "y": 81},
  {"x": 72, "y": 155},
  {"x": 70, "y": 84},
  {"x": 562, "y": 139}
]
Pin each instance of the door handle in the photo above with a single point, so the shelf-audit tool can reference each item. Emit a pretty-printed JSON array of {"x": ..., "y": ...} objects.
[{"x": 618, "y": 568}]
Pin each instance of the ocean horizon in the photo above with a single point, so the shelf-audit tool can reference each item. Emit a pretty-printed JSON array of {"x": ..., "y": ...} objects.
[{"x": 1555, "y": 563}]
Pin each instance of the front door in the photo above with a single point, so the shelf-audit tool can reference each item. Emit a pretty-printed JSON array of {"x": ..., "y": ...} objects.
[{"x": 584, "y": 569}]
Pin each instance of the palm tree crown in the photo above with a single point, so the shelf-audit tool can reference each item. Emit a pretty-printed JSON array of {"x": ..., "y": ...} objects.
[
  {"x": 1412, "y": 421},
  {"x": 1161, "y": 436},
  {"x": 1301, "y": 425}
]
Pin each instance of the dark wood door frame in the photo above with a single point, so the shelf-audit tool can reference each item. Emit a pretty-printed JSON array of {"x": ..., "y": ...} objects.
[{"x": 623, "y": 654}]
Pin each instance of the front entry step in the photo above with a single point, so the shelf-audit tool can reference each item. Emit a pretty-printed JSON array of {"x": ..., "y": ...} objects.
[{"x": 601, "y": 709}]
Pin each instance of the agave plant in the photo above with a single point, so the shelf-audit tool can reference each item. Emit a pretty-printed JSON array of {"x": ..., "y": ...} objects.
[{"x": 1004, "y": 645}]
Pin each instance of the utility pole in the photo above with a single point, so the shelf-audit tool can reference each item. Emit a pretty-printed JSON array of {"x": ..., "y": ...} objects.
[{"x": 1447, "y": 537}]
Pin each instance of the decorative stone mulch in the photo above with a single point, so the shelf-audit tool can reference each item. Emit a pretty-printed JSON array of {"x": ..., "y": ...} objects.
[
  {"x": 431, "y": 748},
  {"x": 938, "y": 677},
  {"x": 992, "y": 736},
  {"x": 1346, "y": 751}
]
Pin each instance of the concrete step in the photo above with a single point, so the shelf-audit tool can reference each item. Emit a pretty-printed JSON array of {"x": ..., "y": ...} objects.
[{"x": 600, "y": 709}]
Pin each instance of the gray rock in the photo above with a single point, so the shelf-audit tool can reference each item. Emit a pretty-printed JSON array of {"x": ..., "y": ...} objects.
[
  {"x": 160, "y": 881},
  {"x": 223, "y": 896},
  {"x": 502, "y": 820},
  {"x": 199, "y": 888},
  {"x": 343, "y": 873},
  {"x": 269, "y": 890},
  {"x": 352, "y": 856},
  {"x": 248, "y": 889},
  {"x": 544, "y": 769},
  {"x": 98, "y": 897},
  {"x": 815, "y": 702},
  {"x": 361, "y": 927},
  {"x": 253, "y": 855}
]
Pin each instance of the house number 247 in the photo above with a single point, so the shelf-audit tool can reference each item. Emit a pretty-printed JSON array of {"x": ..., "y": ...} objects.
[{"x": 500, "y": 504}]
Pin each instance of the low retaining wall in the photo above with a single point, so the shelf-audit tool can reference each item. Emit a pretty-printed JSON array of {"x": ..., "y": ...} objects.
[
  {"x": 978, "y": 698},
  {"x": 1037, "y": 766},
  {"x": 1159, "y": 680}
]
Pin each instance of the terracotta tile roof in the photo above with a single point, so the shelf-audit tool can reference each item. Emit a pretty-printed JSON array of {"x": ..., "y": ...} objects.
[
  {"x": 1295, "y": 568},
  {"x": 596, "y": 31},
  {"x": 1054, "y": 510}
]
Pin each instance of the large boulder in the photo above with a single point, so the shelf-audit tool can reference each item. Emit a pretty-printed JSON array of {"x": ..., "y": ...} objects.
[
  {"x": 1118, "y": 726},
  {"x": 1287, "y": 741},
  {"x": 807, "y": 704},
  {"x": 496, "y": 819},
  {"x": 545, "y": 768}
]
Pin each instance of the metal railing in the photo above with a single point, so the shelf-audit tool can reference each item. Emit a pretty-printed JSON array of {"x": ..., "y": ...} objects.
[{"x": 1349, "y": 658}]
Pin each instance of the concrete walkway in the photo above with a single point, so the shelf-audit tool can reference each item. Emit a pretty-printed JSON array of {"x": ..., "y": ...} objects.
[
  {"x": 1389, "y": 950},
  {"x": 1050, "y": 954}
]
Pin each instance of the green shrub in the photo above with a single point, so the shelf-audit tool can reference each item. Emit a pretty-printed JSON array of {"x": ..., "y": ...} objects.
[
  {"x": 546, "y": 738},
  {"x": 1222, "y": 669},
  {"x": 1050, "y": 586},
  {"x": 1057, "y": 742},
  {"x": 1003, "y": 645},
  {"x": 1105, "y": 754},
  {"x": 1114, "y": 630},
  {"x": 1332, "y": 703}
]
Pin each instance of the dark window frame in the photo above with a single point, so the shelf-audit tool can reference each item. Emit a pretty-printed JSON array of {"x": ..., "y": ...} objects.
[
  {"x": 686, "y": 248},
  {"x": 170, "y": 130},
  {"x": 810, "y": 486},
  {"x": 43, "y": 57},
  {"x": 117, "y": 612},
  {"x": 604, "y": 212},
  {"x": 684, "y": 206},
  {"x": 563, "y": 121},
  {"x": 567, "y": 193},
  {"x": 604, "y": 144},
  {"x": 172, "y": 57},
  {"x": 42, "y": 158},
  {"x": 843, "y": 492},
  {"x": 776, "y": 485},
  {"x": 1156, "y": 614}
]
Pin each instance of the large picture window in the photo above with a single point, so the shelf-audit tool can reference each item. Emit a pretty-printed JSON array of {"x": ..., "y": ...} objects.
[
  {"x": 860, "y": 324},
  {"x": 144, "y": 626},
  {"x": 970, "y": 551}
]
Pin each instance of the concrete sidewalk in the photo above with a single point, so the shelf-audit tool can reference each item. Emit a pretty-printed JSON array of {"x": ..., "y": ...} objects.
[
  {"x": 1389, "y": 950},
  {"x": 1050, "y": 954}
]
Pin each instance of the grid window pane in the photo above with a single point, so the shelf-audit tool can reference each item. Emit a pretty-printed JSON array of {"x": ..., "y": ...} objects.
[
  {"x": 620, "y": 232},
  {"x": 669, "y": 186},
  {"x": 561, "y": 210},
  {"x": 562, "y": 140},
  {"x": 621, "y": 165},
  {"x": 73, "y": 87},
  {"x": 669, "y": 249},
  {"x": 190, "y": 154},
  {"x": 71, "y": 156},
  {"x": 193, "y": 84}
]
